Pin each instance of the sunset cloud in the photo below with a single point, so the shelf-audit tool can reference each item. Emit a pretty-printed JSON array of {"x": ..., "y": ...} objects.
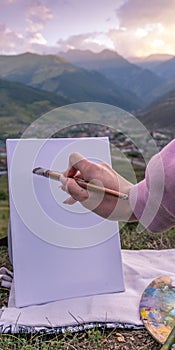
[
  {"x": 141, "y": 41},
  {"x": 131, "y": 27},
  {"x": 135, "y": 13},
  {"x": 145, "y": 29}
]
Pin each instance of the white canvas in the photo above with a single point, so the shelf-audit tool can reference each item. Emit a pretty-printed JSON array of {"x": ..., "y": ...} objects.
[{"x": 59, "y": 251}]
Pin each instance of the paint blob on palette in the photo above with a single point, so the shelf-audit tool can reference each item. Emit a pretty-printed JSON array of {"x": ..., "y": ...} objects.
[{"x": 157, "y": 308}]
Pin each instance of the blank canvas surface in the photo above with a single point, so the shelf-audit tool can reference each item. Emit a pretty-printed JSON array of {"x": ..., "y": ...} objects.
[{"x": 59, "y": 251}]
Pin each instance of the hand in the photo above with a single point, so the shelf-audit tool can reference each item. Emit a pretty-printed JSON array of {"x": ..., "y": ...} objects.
[{"x": 103, "y": 175}]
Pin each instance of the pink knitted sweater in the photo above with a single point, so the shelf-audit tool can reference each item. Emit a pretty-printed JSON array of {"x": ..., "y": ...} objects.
[{"x": 153, "y": 199}]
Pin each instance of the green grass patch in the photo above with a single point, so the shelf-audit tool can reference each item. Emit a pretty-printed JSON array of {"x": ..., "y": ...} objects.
[
  {"x": 4, "y": 205},
  {"x": 94, "y": 339},
  {"x": 134, "y": 237}
]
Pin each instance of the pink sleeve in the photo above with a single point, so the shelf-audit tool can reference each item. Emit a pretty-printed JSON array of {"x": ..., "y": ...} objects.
[{"x": 153, "y": 199}]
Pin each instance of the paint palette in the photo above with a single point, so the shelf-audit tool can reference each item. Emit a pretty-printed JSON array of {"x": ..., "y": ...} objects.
[{"x": 157, "y": 308}]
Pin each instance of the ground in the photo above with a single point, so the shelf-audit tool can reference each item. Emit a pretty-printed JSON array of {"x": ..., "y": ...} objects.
[{"x": 99, "y": 339}]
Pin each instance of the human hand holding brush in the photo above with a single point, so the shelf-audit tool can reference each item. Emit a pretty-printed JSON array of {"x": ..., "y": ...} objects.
[{"x": 103, "y": 203}]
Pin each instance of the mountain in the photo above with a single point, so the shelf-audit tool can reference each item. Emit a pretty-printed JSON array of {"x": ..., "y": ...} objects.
[
  {"x": 32, "y": 68},
  {"x": 20, "y": 105},
  {"x": 55, "y": 74},
  {"x": 163, "y": 65},
  {"x": 166, "y": 70},
  {"x": 161, "y": 113},
  {"x": 125, "y": 74},
  {"x": 151, "y": 61}
]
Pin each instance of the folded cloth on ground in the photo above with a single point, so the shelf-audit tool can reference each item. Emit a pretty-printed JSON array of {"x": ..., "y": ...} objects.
[
  {"x": 6, "y": 277},
  {"x": 139, "y": 267}
]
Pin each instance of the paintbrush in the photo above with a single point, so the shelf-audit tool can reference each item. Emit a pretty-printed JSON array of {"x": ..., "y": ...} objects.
[{"x": 55, "y": 175}]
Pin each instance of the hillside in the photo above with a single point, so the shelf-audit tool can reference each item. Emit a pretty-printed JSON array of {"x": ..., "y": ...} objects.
[
  {"x": 83, "y": 86},
  {"x": 161, "y": 113},
  {"x": 55, "y": 74},
  {"x": 20, "y": 105},
  {"x": 32, "y": 68},
  {"x": 125, "y": 74}
]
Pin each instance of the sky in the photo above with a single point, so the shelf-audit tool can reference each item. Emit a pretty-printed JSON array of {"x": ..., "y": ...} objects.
[{"x": 130, "y": 27}]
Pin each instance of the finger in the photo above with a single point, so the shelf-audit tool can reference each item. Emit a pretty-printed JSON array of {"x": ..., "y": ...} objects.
[
  {"x": 73, "y": 159},
  {"x": 70, "y": 201},
  {"x": 77, "y": 192},
  {"x": 77, "y": 163},
  {"x": 63, "y": 180},
  {"x": 70, "y": 186}
]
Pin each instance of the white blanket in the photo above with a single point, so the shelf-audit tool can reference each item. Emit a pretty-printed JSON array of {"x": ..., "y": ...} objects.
[{"x": 140, "y": 268}]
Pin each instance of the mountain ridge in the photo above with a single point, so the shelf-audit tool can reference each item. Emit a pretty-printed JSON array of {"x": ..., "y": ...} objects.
[
  {"x": 118, "y": 69},
  {"x": 54, "y": 73}
]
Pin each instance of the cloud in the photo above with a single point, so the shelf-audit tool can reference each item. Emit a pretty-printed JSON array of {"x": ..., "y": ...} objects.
[
  {"x": 144, "y": 28},
  {"x": 95, "y": 41},
  {"x": 131, "y": 27},
  {"x": 25, "y": 38},
  {"x": 38, "y": 38},
  {"x": 13, "y": 42},
  {"x": 143, "y": 41},
  {"x": 9, "y": 39},
  {"x": 34, "y": 27},
  {"x": 38, "y": 14},
  {"x": 135, "y": 13}
]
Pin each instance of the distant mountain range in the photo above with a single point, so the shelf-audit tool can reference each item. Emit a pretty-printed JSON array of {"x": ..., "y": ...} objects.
[
  {"x": 87, "y": 76},
  {"x": 151, "y": 61},
  {"x": 125, "y": 74},
  {"x": 55, "y": 74},
  {"x": 32, "y": 84},
  {"x": 164, "y": 67}
]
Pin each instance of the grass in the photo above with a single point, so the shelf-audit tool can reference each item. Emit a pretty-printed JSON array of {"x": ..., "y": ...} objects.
[
  {"x": 133, "y": 240},
  {"x": 4, "y": 205},
  {"x": 90, "y": 340}
]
